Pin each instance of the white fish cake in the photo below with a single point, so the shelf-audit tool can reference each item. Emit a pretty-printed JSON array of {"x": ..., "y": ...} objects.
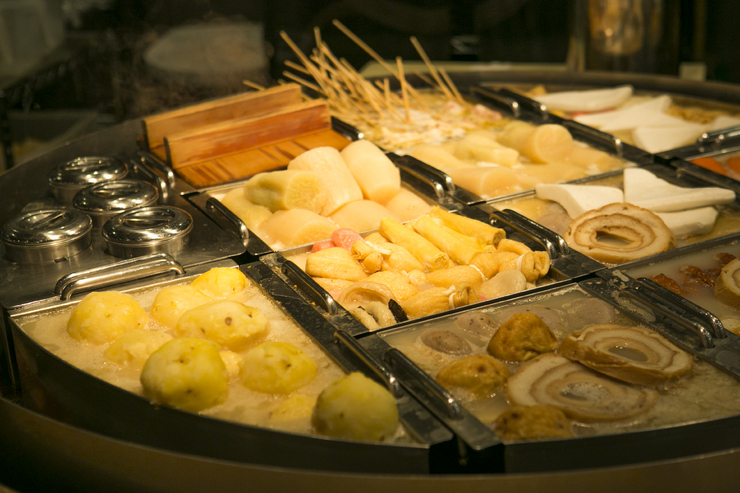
[
  {"x": 171, "y": 302},
  {"x": 221, "y": 282},
  {"x": 186, "y": 373},
  {"x": 105, "y": 316},
  {"x": 230, "y": 324},
  {"x": 276, "y": 368}
]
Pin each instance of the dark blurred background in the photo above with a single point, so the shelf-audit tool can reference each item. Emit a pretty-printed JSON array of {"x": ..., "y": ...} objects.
[{"x": 71, "y": 66}]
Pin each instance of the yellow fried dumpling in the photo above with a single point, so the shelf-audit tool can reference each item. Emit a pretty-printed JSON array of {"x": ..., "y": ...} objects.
[
  {"x": 356, "y": 407},
  {"x": 172, "y": 301},
  {"x": 221, "y": 282},
  {"x": 276, "y": 368},
  {"x": 186, "y": 373},
  {"x": 230, "y": 324},
  {"x": 135, "y": 346},
  {"x": 105, "y": 316}
]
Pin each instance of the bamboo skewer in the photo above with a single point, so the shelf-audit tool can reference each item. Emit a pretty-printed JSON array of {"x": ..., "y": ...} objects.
[
  {"x": 430, "y": 66},
  {"x": 253, "y": 85},
  {"x": 403, "y": 89},
  {"x": 451, "y": 85}
]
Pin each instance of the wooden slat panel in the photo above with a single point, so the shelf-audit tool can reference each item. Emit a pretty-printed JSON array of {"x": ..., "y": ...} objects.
[
  {"x": 234, "y": 136},
  {"x": 319, "y": 139},
  {"x": 157, "y": 127}
]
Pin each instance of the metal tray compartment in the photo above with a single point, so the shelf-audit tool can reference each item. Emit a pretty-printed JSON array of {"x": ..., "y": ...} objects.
[
  {"x": 62, "y": 391},
  {"x": 728, "y": 220},
  {"x": 695, "y": 421}
]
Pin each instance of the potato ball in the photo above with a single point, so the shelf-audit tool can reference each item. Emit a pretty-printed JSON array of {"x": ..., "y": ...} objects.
[
  {"x": 230, "y": 324},
  {"x": 356, "y": 407},
  {"x": 521, "y": 338},
  {"x": 171, "y": 302},
  {"x": 294, "y": 408},
  {"x": 135, "y": 346},
  {"x": 186, "y": 373},
  {"x": 105, "y": 316},
  {"x": 480, "y": 374},
  {"x": 532, "y": 423},
  {"x": 276, "y": 368},
  {"x": 221, "y": 282},
  {"x": 231, "y": 360}
]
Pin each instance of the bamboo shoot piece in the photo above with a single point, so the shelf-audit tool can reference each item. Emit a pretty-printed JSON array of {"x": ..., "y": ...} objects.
[
  {"x": 296, "y": 227},
  {"x": 287, "y": 189},
  {"x": 377, "y": 176},
  {"x": 251, "y": 214}
]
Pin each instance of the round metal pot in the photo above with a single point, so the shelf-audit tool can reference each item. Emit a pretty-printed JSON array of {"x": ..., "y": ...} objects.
[
  {"x": 147, "y": 230},
  {"x": 69, "y": 178},
  {"x": 104, "y": 200},
  {"x": 46, "y": 235}
]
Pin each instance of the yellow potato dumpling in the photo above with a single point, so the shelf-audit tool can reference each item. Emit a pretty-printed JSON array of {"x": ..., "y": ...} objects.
[
  {"x": 171, "y": 302},
  {"x": 231, "y": 360},
  {"x": 276, "y": 368},
  {"x": 294, "y": 408},
  {"x": 221, "y": 282},
  {"x": 135, "y": 346},
  {"x": 105, "y": 316},
  {"x": 230, "y": 324},
  {"x": 186, "y": 373},
  {"x": 356, "y": 407}
]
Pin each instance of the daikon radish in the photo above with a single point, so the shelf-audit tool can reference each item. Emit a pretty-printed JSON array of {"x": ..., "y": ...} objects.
[
  {"x": 438, "y": 157},
  {"x": 328, "y": 164},
  {"x": 577, "y": 199},
  {"x": 626, "y": 117},
  {"x": 361, "y": 215},
  {"x": 489, "y": 181},
  {"x": 590, "y": 100},
  {"x": 377, "y": 176},
  {"x": 593, "y": 159},
  {"x": 663, "y": 139},
  {"x": 296, "y": 227},
  {"x": 542, "y": 144},
  {"x": 406, "y": 205},
  {"x": 482, "y": 146},
  {"x": 287, "y": 189},
  {"x": 251, "y": 214}
]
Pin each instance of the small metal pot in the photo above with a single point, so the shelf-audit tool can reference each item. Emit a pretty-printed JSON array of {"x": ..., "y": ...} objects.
[
  {"x": 147, "y": 230},
  {"x": 46, "y": 235},
  {"x": 69, "y": 178},
  {"x": 104, "y": 200}
]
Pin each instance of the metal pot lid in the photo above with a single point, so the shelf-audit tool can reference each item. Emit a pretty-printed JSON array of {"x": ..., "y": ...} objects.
[
  {"x": 88, "y": 170},
  {"x": 115, "y": 196},
  {"x": 46, "y": 228},
  {"x": 148, "y": 225}
]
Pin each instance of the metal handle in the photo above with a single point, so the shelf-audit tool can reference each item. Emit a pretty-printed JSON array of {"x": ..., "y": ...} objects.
[
  {"x": 148, "y": 159},
  {"x": 538, "y": 234},
  {"x": 345, "y": 129},
  {"x": 445, "y": 402},
  {"x": 717, "y": 136},
  {"x": 691, "y": 309},
  {"x": 117, "y": 273},
  {"x": 349, "y": 342},
  {"x": 498, "y": 100},
  {"x": 597, "y": 138},
  {"x": 213, "y": 205},
  {"x": 531, "y": 104},
  {"x": 150, "y": 176},
  {"x": 439, "y": 180},
  {"x": 305, "y": 283},
  {"x": 642, "y": 295}
]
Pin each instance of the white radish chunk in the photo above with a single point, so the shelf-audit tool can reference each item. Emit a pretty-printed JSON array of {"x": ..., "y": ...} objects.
[
  {"x": 296, "y": 227},
  {"x": 644, "y": 189},
  {"x": 662, "y": 139},
  {"x": 589, "y": 100},
  {"x": 377, "y": 176},
  {"x": 328, "y": 164},
  {"x": 577, "y": 199},
  {"x": 361, "y": 215},
  {"x": 692, "y": 222}
]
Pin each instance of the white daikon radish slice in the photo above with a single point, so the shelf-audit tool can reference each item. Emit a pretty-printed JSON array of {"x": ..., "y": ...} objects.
[
  {"x": 646, "y": 119},
  {"x": 328, "y": 164},
  {"x": 251, "y": 214},
  {"x": 590, "y": 100},
  {"x": 378, "y": 177},
  {"x": 662, "y": 139},
  {"x": 296, "y": 227},
  {"x": 286, "y": 189},
  {"x": 487, "y": 181},
  {"x": 577, "y": 199},
  {"x": 541, "y": 144},
  {"x": 723, "y": 121},
  {"x": 438, "y": 157},
  {"x": 626, "y": 116},
  {"x": 644, "y": 189},
  {"x": 406, "y": 205},
  {"x": 361, "y": 215},
  {"x": 482, "y": 146},
  {"x": 692, "y": 222}
]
